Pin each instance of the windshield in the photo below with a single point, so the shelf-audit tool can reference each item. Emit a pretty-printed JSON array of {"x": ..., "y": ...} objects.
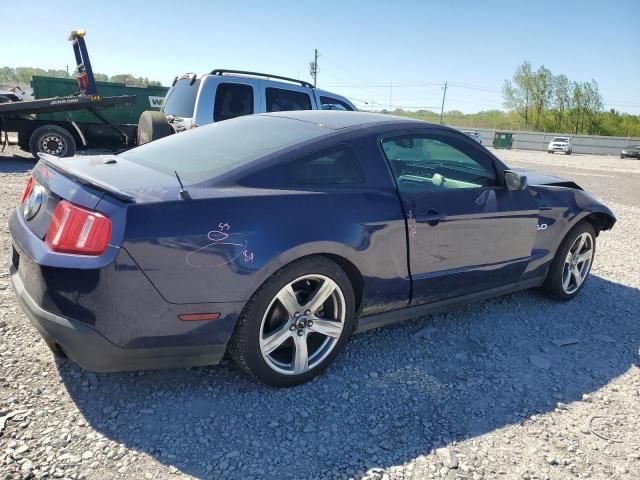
[
  {"x": 181, "y": 99},
  {"x": 561, "y": 139},
  {"x": 202, "y": 153}
]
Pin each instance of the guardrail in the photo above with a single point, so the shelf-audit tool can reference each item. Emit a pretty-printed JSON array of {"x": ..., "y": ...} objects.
[{"x": 586, "y": 144}]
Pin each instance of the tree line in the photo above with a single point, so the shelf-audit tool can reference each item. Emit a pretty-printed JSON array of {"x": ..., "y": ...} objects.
[
  {"x": 611, "y": 122},
  {"x": 23, "y": 75},
  {"x": 549, "y": 102}
]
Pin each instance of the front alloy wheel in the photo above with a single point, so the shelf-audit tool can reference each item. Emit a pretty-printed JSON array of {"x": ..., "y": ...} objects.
[
  {"x": 572, "y": 263},
  {"x": 577, "y": 263}
]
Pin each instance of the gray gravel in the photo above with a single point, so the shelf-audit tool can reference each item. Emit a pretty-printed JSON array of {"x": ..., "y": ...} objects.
[{"x": 516, "y": 387}]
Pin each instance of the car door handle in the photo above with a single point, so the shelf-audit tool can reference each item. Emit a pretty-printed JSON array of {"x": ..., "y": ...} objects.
[{"x": 431, "y": 216}]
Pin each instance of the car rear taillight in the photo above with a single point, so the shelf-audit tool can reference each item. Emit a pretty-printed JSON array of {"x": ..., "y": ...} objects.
[
  {"x": 74, "y": 229},
  {"x": 27, "y": 190}
]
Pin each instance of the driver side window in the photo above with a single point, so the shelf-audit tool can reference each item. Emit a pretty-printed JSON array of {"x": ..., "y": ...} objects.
[{"x": 422, "y": 164}]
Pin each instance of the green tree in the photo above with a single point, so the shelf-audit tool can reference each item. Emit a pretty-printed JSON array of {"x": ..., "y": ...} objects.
[
  {"x": 541, "y": 90},
  {"x": 517, "y": 93},
  {"x": 560, "y": 100}
]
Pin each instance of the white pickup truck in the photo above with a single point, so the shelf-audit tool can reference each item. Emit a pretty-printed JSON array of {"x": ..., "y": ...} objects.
[{"x": 560, "y": 144}]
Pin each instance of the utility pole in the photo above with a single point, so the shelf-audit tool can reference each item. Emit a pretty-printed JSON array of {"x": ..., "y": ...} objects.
[
  {"x": 313, "y": 68},
  {"x": 443, "y": 97},
  {"x": 390, "y": 96}
]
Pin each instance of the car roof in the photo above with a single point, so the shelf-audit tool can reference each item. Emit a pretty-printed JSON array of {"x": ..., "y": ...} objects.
[{"x": 337, "y": 119}]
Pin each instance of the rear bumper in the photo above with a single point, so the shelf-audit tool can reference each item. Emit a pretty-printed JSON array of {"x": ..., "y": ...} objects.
[{"x": 92, "y": 351}]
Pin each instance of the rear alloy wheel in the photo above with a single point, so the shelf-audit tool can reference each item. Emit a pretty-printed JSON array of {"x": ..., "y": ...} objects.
[
  {"x": 572, "y": 264},
  {"x": 302, "y": 325},
  {"x": 296, "y": 323}
]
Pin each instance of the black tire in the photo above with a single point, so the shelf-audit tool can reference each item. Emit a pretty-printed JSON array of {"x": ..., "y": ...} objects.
[
  {"x": 152, "y": 126},
  {"x": 553, "y": 283},
  {"x": 550, "y": 151},
  {"x": 53, "y": 140},
  {"x": 244, "y": 346},
  {"x": 568, "y": 152}
]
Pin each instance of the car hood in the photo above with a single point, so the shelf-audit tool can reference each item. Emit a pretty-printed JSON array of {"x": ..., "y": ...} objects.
[{"x": 539, "y": 178}]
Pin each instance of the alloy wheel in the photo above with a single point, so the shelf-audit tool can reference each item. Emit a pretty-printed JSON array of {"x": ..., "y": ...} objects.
[
  {"x": 302, "y": 324},
  {"x": 577, "y": 263}
]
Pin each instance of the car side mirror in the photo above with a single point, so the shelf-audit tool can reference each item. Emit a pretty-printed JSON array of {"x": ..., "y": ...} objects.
[{"x": 514, "y": 181}]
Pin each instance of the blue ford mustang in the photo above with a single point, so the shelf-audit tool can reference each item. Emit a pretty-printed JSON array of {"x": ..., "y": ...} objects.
[{"x": 275, "y": 237}]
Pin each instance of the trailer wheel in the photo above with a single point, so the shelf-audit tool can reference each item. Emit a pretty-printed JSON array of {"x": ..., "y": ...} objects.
[
  {"x": 152, "y": 126},
  {"x": 53, "y": 140}
]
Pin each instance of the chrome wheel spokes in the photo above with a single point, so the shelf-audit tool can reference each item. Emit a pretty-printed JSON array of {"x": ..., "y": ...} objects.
[
  {"x": 302, "y": 324},
  {"x": 577, "y": 263}
]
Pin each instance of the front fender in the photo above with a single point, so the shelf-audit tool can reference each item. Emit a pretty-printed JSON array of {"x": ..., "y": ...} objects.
[{"x": 561, "y": 209}]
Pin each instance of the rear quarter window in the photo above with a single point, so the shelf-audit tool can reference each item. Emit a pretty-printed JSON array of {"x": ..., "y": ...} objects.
[
  {"x": 232, "y": 100},
  {"x": 282, "y": 100},
  {"x": 334, "y": 166}
]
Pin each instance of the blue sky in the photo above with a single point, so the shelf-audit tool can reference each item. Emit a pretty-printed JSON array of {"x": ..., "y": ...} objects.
[{"x": 365, "y": 46}]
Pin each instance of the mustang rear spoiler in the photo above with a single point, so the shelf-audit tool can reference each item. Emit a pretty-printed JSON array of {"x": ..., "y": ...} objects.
[{"x": 61, "y": 166}]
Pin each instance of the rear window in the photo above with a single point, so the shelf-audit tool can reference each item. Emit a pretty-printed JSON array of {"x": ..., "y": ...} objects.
[
  {"x": 202, "y": 153},
  {"x": 281, "y": 100},
  {"x": 182, "y": 99}
]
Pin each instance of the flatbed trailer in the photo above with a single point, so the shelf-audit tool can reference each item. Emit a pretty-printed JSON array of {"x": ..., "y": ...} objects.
[{"x": 61, "y": 138}]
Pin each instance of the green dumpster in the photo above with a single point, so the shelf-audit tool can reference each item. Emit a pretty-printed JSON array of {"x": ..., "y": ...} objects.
[
  {"x": 147, "y": 98},
  {"x": 502, "y": 140}
]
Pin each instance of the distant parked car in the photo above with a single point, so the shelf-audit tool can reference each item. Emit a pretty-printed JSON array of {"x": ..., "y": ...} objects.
[
  {"x": 196, "y": 100},
  {"x": 560, "y": 144},
  {"x": 275, "y": 236},
  {"x": 630, "y": 151},
  {"x": 474, "y": 134}
]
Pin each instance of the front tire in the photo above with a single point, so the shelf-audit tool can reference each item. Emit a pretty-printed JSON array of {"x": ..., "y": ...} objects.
[
  {"x": 295, "y": 325},
  {"x": 571, "y": 265}
]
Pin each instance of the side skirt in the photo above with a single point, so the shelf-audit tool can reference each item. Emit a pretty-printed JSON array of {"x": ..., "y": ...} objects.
[{"x": 394, "y": 316}]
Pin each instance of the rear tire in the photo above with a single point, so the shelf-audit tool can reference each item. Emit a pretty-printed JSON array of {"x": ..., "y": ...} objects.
[
  {"x": 286, "y": 333},
  {"x": 53, "y": 140},
  {"x": 152, "y": 126},
  {"x": 572, "y": 263}
]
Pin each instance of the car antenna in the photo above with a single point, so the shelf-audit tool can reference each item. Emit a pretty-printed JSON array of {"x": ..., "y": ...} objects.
[{"x": 183, "y": 191}]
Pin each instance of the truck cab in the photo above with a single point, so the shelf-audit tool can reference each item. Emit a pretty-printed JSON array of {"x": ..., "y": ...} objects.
[{"x": 195, "y": 100}]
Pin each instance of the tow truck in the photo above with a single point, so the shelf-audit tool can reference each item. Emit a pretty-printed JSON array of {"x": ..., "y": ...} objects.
[{"x": 61, "y": 138}]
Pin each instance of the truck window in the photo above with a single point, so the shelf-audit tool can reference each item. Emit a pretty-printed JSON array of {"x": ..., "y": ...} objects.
[
  {"x": 181, "y": 101},
  {"x": 330, "y": 103},
  {"x": 281, "y": 100},
  {"x": 232, "y": 100}
]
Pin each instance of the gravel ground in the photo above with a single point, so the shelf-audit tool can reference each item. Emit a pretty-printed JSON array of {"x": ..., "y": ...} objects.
[{"x": 516, "y": 387}]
